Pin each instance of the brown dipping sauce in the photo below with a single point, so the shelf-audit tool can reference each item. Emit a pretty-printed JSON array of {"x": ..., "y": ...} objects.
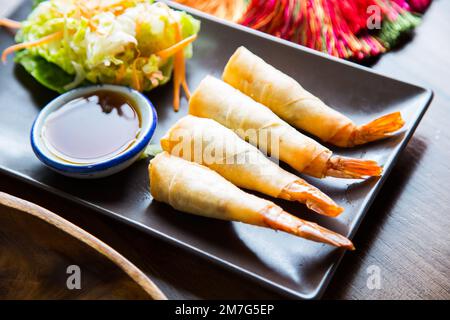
[{"x": 92, "y": 128}]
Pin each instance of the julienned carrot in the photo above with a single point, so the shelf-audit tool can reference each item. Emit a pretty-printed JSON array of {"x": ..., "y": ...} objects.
[
  {"x": 10, "y": 23},
  {"x": 168, "y": 52},
  {"x": 176, "y": 50},
  {"x": 179, "y": 70},
  {"x": 183, "y": 77},
  {"x": 185, "y": 87},
  {"x": 182, "y": 62},
  {"x": 120, "y": 73},
  {"x": 135, "y": 77},
  {"x": 177, "y": 78},
  {"x": 176, "y": 90},
  {"x": 24, "y": 45},
  {"x": 182, "y": 66}
]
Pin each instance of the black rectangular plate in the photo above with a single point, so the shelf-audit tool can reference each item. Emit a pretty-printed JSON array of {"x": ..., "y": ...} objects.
[{"x": 288, "y": 264}]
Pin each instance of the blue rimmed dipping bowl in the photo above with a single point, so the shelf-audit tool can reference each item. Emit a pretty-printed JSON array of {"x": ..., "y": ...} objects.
[{"x": 105, "y": 167}]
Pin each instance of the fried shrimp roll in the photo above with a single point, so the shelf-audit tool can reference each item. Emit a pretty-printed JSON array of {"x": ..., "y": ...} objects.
[
  {"x": 290, "y": 101},
  {"x": 257, "y": 124},
  {"x": 195, "y": 189},
  {"x": 209, "y": 143}
]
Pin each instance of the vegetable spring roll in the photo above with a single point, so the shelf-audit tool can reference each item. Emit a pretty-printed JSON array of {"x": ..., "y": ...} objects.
[
  {"x": 289, "y": 100},
  {"x": 207, "y": 142},
  {"x": 217, "y": 100},
  {"x": 193, "y": 188}
]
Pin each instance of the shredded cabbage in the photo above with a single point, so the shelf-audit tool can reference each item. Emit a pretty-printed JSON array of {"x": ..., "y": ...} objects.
[{"x": 107, "y": 41}]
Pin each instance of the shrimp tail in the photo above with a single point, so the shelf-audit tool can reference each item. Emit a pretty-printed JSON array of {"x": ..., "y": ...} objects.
[
  {"x": 351, "y": 168},
  {"x": 280, "y": 220},
  {"x": 312, "y": 197},
  {"x": 377, "y": 129}
]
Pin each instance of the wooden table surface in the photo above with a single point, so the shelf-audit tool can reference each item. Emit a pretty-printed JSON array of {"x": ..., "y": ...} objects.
[{"x": 406, "y": 234}]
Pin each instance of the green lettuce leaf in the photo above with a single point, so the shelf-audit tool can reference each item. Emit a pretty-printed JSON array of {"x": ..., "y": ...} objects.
[
  {"x": 120, "y": 50},
  {"x": 151, "y": 151},
  {"x": 46, "y": 73}
]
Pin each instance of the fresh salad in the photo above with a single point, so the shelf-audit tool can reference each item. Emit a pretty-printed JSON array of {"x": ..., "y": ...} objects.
[{"x": 135, "y": 43}]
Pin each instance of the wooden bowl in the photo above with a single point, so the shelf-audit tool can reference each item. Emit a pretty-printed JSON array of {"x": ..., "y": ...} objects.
[{"x": 43, "y": 256}]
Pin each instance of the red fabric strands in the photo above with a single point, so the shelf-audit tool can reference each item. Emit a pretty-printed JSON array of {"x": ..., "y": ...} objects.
[{"x": 337, "y": 27}]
